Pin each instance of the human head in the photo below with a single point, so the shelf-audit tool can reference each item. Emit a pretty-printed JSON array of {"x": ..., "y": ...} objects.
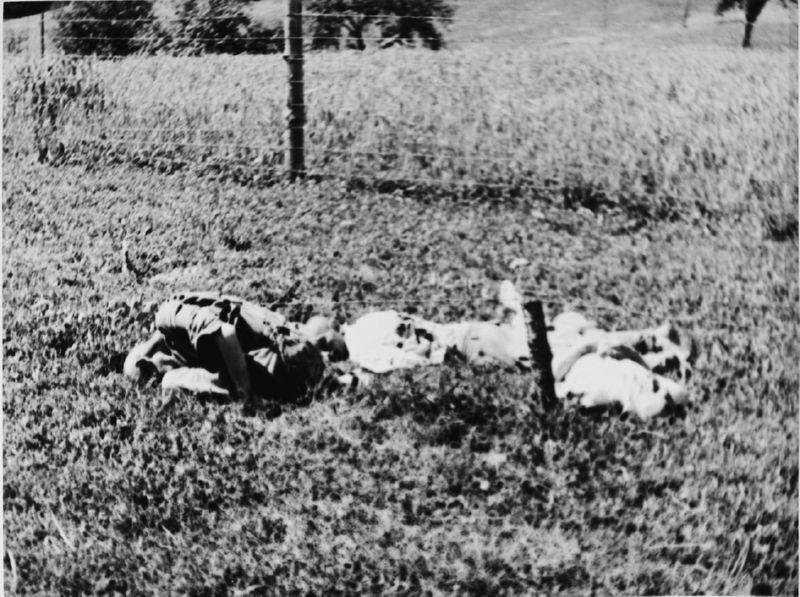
[{"x": 323, "y": 333}]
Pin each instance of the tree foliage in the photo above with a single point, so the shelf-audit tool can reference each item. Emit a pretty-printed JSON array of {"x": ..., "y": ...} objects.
[
  {"x": 220, "y": 27},
  {"x": 200, "y": 26},
  {"x": 752, "y": 9},
  {"x": 224, "y": 26},
  {"x": 397, "y": 22},
  {"x": 105, "y": 28}
]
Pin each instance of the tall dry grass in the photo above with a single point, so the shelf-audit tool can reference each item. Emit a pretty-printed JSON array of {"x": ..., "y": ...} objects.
[{"x": 704, "y": 130}]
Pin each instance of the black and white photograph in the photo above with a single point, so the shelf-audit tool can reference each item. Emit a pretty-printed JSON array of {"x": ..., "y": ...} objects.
[{"x": 400, "y": 297}]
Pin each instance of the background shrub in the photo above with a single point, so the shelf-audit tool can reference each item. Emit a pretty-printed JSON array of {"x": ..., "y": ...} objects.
[
  {"x": 106, "y": 28},
  {"x": 397, "y": 22},
  {"x": 220, "y": 27}
]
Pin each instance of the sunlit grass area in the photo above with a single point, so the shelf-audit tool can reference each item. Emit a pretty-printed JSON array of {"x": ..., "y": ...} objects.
[{"x": 643, "y": 182}]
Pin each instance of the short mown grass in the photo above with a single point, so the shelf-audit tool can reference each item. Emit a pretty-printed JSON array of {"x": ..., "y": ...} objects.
[
  {"x": 445, "y": 479},
  {"x": 641, "y": 186}
]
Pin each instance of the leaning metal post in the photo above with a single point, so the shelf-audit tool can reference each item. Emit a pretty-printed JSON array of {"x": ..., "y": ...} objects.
[
  {"x": 541, "y": 355},
  {"x": 295, "y": 107}
]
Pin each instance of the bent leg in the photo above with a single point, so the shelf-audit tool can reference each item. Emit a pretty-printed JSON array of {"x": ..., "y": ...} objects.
[
  {"x": 670, "y": 361},
  {"x": 562, "y": 363},
  {"x": 649, "y": 338},
  {"x": 665, "y": 338}
]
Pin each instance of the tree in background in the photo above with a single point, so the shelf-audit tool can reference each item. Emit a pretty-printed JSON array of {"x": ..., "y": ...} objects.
[
  {"x": 105, "y": 28},
  {"x": 109, "y": 28},
  {"x": 752, "y": 8},
  {"x": 397, "y": 21},
  {"x": 220, "y": 27}
]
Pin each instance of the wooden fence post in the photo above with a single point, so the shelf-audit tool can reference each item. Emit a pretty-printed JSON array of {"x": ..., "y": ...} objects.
[
  {"x": 295, "y": 107},
  {"x": 687, "y": 9},
  {"x": 541, "y": 355}
]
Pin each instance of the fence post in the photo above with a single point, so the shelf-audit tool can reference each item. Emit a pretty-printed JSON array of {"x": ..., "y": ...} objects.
[
  {"x": 295, "y": 108},
  {"x": 687, "y": 9},
  {"x": 541, "y": 355},
  {"x": 41, "y": 32}
]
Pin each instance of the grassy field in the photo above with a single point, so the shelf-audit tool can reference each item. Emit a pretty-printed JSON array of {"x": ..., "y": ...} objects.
[{"x": 643, "y": 181}]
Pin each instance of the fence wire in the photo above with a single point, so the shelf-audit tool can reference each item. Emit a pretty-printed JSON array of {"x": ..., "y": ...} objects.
[
  {"x": 493, "y": 153},
  {"x": 435, "y": 120},
  {"x": 411, "y": 153}
]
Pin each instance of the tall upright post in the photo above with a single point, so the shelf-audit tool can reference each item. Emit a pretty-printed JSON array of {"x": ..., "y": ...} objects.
[
  {"x": 295, "y": 107},
  {"x": 541, "y": 355},
  {"x": 41, "y": 33}
]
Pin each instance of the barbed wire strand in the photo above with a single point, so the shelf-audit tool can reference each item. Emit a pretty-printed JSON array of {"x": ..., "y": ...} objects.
[
  {"x": 310, "y": 39},
  {"x": 551, "y": 298},
  {"x": 276, "y": 148},
  {"x": 553, "y": 302},
  {"x": 495, "y": 16},
  {"x": 384, "y": 42},
  {"x": 391, "y": 155},
  {"x": 169, "y": 37},
  {"x": 506, "y": 44},
  {"x": 521, "y": 182},
  {"x": 499, "y": 15},
  {"x": 182, "y": 128},
  {"x": 567, "y": 305},
  {"x": 371, "y": 180},
  {"x": 346, "y": 15}
]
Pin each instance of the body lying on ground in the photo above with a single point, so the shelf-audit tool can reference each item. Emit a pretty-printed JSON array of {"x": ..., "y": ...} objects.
[
  {"x": 594, "y": 366},
  {"x": 210, "y": 343},
  {"x": 225, "y": 345},
  {"x": 598, "y": 367},
  {"x": 387, "y": 340}
]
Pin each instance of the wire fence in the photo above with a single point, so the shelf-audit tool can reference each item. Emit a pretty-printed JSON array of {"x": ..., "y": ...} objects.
[
  {"x": 500, "y": 111},
  {"x": 132, "y": 102}
]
